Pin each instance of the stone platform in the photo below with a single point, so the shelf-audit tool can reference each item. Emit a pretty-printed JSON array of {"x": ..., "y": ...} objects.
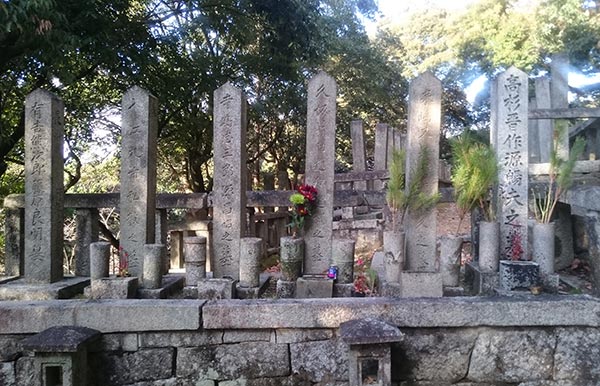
[{"x": 19, "y": 289}]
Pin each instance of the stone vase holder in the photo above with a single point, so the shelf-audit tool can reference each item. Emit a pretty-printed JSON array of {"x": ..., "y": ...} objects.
[
  {"x": 489, "y": 246},
  {"x": 393, "y": 247},
  {"x": 543, "y": 247},
  {"x": 291, "y": 258},
  {"x": 450, "y": 248},
  {"x": 343, "y": 259},
  {"x": 518, "y": 274},
  {"x": 194, "y": 252}
]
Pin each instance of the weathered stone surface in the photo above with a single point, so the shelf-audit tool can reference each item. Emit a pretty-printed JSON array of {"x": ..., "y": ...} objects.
[
  {"x": 138, "y": 175},
  {"x": 44, "y": 130},
  {"x": 114, "y": 288},
  {"x": 369, "y": 331},
  {"x": 343, "y": 259},
  {"x": 153, "y": 265},
  {"x": 424, "y": 122},
  {"x": 25, "y": 372},
  {"x": 286, "y": 289},
  {"x": 511, "y": 145},
  {"x": 412, "y": 312},
  {"x": 366, "y": 233},
  {"x": 314, "y": 288},
  {"x": 180, "y": 338},
  {"x": 61, "y": 339},
  {"x": 577, "y": 354},
  {"x": 233, "y": 361},
  {"x": 128, "y": 367},
  {"x": 342, "y": 290},
  {"x": 421, "y": 284},
  {"x": 518, "y": 274},
  {"x": 280, "y": 381},
  {"x": 320, "y": 361},
  {"x": 250, "y": 253},
  {"x": 36, "y": 316},
  {"x": 139, "y": 315},
  {"x": 512, "y": 356},
  {"x": 99, "y": 259},
  {"x": 237, "y": 336},
  {"x": 433, "y": 355},
  {"x": 229, "y": 189},
  {"x": 380, "y": 153},
  {"x": 21, "y": 289},
  {"x": 194, "y": 252},
  {"x": 291, "y": 257},
  {"x": 285, "y": 335},
  {"x": 119, "y": 342},
  {"x": 10, "y": 346},
  {"x": 319, "y": 169},
  {"x": 7, "y": 374},
  {"x": 359, "y": 159},
  {"x": 14, "y": 243},
  {"x": 216, "y": 289},
  {"x": 167, "y": 382}
]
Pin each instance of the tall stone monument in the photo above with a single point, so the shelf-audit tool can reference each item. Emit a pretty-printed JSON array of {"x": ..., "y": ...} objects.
[
  {"x": 424, "y": 121},
  {"x": 511, "y": 111},
  {"x": 320, "y": 157},
  {"x": 380, "y": 153},
  {"x": 359, "y": 159},
  {"x": 230, "y": 174},
  {"x": 44, "y": 205},
  {"x": 138, "y": 175}
]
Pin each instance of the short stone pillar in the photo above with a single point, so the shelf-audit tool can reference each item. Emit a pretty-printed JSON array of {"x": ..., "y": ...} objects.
[
  {"x": 343, "y": 259},
  {"x": 153, "y": 265},
  {"x": 370, "y": 361},
  {"x": 99, "y": 259},
  {"x": 194, "y": 252},
  {"x": 60, "y": 355},
  {"x": 87, "y": 232},
  {"x": 250, "y": 251},
  {"x": 291, "y": 256}
]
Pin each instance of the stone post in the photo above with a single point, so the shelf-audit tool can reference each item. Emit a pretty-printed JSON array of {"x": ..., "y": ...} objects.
[
  {"x": 138, "y": 175},
  {"x": 380, "y": 154},
  {"x": 194, "y": 250},
  {"x": 559, "y": 93},
  {"x": 87, "y": 233},
  {"x": 99, "y": 259},
  {"x": 512, "y": 150},
  {"x": 359, "y": 162},
  {"x": 424, "y": 121},
  {"x": 320, "y": 157},
  {"x": 14, "y": 244},
  {"x": 160, "y": 235},
  {"x": 44, "y": 130},
  {"x": 291, "y": 258},
  {"x": 230, "y": 173},
  {"x": 343, "y": 259},
  {"x": 176, "y": 255},
  {"x": 544, "y": 139},
  {"x": 391, "y": 136},
  {"x": 153, "y": 256},
  {"x": 250, "y": 252}
]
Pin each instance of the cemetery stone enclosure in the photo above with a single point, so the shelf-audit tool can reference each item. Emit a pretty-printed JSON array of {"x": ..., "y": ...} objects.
[{"x": 199, "y": 335}]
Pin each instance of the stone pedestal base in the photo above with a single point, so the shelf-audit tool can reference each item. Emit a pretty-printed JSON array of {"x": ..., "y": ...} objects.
[
  {"x": 216, "y": 289},
  {"x": 550, "y": 283},
  {"x": 518, "y": 275},
  {"x": 17, "y": 289},
  {"x": 308, "y": 287},
  {"x": 342, "y": 290},
  {"x": 481, "y": 283},
  {"x": 114, "y": 288},
  {"x": 253, "y": 292},
  {"x": 170, "y": 285},
  {"x": 286, "y": 289},
  {"x": 421, "y": 284}
]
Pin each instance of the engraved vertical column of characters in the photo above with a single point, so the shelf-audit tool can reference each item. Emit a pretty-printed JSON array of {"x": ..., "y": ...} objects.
[
  {"x": 424, "y": 121},
  {"x": 230, "y": 176},
  {"x": 512, "y": 150},
  {"x": 320, "y": 158},
  {"x": 138, "y": 175},
  {"x": 44, "y": 130}
]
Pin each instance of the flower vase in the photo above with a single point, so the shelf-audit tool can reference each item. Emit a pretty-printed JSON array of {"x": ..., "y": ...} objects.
[
  {"x": 543, "y": 247},
  {"x": 393, "y": 248},
  {"x": 489, "y": 246},
  {"x": 291, "y": 257},
  {"x": 449, "y": 257}
]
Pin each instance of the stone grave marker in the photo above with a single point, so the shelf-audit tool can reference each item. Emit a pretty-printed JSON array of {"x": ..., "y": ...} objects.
[
  {"x": 230, "y": 174},
  {"x": 138, "y": 175},
  {"x": 512, "y": 152},
  {"x": 320, "y": 157},
  {"x": 380, "y": 154},
  {"x": 44, "y": 130},
  {"x": 359, "y": 162},
  {"x": 424, "y": 120}
]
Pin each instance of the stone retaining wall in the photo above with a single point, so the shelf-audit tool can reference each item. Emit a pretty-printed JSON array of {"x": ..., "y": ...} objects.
[{"x": 549, "y": 341}]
